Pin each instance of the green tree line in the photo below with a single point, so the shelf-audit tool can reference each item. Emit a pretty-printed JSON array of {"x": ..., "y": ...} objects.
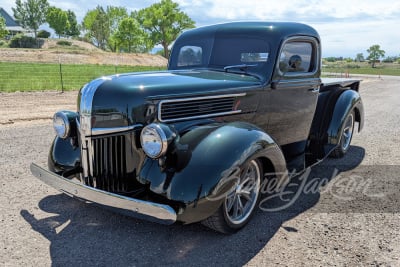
[
  {"x": 111, "y": 28},
  {"x": 375, "y": 54}
]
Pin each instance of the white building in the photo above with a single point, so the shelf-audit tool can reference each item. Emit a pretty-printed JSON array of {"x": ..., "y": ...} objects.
[{"x": 11, "y": 25}]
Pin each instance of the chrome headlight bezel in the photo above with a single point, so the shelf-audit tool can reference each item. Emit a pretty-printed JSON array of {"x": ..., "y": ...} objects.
[
  {"x": 64, "y": 123},
  {"x": 61, "y": 125},
  {"x": 154, "y": 140}
]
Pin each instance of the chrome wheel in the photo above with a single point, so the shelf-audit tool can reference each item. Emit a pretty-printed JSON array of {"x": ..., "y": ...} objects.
[
  {"x": 240, "y": 203},
  {"x": 347, "y": 132},
  {"x": 345, "y": 137}
]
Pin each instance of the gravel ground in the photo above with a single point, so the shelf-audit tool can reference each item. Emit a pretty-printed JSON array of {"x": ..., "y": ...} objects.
[{"x": 41, "y": 227}]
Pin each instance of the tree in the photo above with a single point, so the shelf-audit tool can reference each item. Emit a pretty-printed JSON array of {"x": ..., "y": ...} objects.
[
  {"x": 3, "y": 30},
  {"x": 115, "y": 15},
  {"x": 96, "y": 24},
  {"x": 164, "y": 21},
  {"x": 73, "y": 29},
  {"x": 31, "y": 14},
  {"x": 359, "y": 57},
  {"x": 43, "y": 34},
  {"x": 58, "y": 20},
  {"x": 375, "y": 53},
  {"x": 129, "y": 33}
]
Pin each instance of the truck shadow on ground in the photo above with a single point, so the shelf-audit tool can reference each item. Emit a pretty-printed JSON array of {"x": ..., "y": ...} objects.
[{"x": 82, "y": 234}]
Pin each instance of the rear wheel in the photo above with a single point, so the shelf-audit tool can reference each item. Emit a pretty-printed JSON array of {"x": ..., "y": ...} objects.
[
  {"x": 239, "y": 205},
  {"x": 345, "y": 137}
]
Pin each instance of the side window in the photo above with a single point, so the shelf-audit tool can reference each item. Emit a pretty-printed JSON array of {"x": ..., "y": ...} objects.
[
  {"x": 190, "y": 56},
  {"x": 296, "y": 57}
]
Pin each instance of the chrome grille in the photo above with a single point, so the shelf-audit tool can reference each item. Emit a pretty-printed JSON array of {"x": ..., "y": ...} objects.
[
  {"x": 108, "y": 170},
  {"x": 199, "y": 107}
]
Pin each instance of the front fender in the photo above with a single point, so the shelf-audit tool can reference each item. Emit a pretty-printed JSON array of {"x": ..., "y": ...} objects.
[
  {"x": 348, "y": 101},
  {"x": 205, "y": 158},
  {"x": 63, "y": 156}
]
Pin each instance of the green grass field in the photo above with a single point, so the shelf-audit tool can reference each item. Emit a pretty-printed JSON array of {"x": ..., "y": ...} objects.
[
  {"x": 362, "y": 68},
  {"x": 35, "y": 76},
  {"x": 39, "y": 76}
]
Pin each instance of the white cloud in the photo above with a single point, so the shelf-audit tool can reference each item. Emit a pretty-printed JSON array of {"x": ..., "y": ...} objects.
[{"x": 294, "y": 10}]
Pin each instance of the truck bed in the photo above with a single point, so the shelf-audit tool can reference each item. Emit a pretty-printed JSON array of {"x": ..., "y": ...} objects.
[
  {"x": 328, "y": 83},
  {"x": 343, "y": 82}
]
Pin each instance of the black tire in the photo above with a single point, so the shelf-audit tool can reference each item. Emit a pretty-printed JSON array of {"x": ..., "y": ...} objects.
[
  {"x": 239, "y": 205},
  {"x": 345, "y": 137}
]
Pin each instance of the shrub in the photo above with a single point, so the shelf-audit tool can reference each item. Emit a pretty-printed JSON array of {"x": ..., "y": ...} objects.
[
  {"x": 43, "y": 34},
  {"x": 64, "y": 43},
  {"x": 352, "y": 66},
  {"x": 22, "y": 41}
]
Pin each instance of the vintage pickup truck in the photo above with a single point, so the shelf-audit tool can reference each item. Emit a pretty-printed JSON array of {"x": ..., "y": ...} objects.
[{"x": 194, "y": 143}]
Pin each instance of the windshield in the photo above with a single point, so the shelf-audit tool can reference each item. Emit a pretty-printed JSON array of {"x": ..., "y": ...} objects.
[{"x": 224, "y": 52}]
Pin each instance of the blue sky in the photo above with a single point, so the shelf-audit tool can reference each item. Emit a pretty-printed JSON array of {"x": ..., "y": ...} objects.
[{"x": 346, "y": 27}]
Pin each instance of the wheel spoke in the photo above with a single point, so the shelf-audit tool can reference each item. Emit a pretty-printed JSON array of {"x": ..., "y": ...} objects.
[
  {"x": 240, "y": 206},
  {"x": 246, "y": 195},
  {"x": 244, "y": 181},
  {"x": 236, "y": 208},
  {"x": 246, "y": 171},
  {"x": 229, "y": 202}
]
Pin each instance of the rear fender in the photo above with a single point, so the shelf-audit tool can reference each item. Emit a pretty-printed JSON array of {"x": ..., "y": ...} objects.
[
  {"x": 198, "y": 170},
  {"x": 348, "y": 101}
]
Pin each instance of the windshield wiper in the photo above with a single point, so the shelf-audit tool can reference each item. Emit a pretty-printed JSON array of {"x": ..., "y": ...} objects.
[{"x": 242, "y": 67}]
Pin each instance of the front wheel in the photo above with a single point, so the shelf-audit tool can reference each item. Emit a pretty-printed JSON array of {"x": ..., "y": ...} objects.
[
  {"x": 345, "y": 137},
  {"x": 240, "y": 203}
]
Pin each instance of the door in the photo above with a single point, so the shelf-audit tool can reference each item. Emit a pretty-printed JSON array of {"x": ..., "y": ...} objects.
[{"x": 293, "y": 95}]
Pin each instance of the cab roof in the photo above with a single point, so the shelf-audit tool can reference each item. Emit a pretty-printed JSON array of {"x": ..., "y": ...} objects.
[{"x": 276, "y": 30}]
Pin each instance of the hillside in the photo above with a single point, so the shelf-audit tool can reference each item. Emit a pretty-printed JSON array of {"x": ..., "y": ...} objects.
[{"x": 78, "y": 53}]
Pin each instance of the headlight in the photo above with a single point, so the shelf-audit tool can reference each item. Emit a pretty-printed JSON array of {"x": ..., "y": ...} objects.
[
  {"x": 63, "y": 122},
  {"x": 154, "y": 141}
]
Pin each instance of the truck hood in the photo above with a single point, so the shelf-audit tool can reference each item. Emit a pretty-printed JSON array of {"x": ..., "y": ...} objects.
[{"x": 127, "y": 99}]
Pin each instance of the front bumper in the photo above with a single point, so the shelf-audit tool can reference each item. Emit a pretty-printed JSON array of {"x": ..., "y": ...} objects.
[{"x": 137, "y": 208}]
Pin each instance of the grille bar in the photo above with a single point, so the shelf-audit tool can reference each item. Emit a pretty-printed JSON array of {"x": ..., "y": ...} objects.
[
  {"x": 192, "y": 113},
  {"x": 109, "y": 168}
]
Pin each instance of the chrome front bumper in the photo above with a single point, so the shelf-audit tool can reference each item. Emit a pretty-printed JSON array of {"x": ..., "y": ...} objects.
[{"x": 129, "y": 206}]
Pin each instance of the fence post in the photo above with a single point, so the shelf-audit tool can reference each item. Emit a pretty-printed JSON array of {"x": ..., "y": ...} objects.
[{"x": 61, "y": 76}]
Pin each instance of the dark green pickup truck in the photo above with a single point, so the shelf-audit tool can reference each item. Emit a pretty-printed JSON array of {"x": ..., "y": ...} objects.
[{"x": 240, "y": 103}]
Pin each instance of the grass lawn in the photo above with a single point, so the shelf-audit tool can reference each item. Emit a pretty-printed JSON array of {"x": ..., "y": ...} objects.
[
  {"x": 361, "y": 68},
  {"x": 38, "y": 76}
]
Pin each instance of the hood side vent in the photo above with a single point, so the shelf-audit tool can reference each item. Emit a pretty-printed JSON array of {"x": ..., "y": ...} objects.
[{"x": 197, "y": 107}]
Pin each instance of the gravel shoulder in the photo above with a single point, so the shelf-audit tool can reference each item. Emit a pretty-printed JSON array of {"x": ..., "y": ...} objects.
[{"x": 43, "y": 227}]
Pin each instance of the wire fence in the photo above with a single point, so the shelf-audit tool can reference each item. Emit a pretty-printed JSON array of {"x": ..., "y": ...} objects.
[
  {"x": 41, "y": 76},
  {"x": 20, "y": 76}
]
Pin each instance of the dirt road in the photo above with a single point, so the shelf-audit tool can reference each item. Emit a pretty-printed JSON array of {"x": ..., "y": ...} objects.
[{"x": 41, "y": 227}]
